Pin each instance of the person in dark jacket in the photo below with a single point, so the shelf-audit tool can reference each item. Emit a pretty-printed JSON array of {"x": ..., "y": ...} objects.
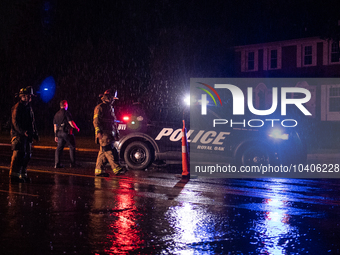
[
  {"x": 23, "y": 131},
  {"x": 63, "y": 134},
  {"x": 106, "y": 133}
]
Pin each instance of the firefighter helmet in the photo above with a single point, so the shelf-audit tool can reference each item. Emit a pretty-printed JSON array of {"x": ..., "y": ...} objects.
[
  {"x": 26, "y": 91},
  {"x": 108, "y": 95}
]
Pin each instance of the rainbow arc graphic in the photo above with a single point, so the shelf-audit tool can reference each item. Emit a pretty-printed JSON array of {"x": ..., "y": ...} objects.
[{"x": 209, "y": 93}]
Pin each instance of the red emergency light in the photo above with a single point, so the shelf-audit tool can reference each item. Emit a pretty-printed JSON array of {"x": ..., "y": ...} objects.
[{"x": 126, "y": 118}]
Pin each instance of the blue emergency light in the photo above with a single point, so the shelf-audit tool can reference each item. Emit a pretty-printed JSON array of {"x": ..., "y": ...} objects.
[{"x": 47, "y": 89}]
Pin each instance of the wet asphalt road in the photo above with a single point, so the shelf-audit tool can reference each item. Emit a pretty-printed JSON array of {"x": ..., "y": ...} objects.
[{"x": 69, "y": 211}]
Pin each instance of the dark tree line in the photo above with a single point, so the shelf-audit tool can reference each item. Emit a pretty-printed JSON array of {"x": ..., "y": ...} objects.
[
  {"x": 140, "y": 49},
  {"x": 147, "y": 50}
]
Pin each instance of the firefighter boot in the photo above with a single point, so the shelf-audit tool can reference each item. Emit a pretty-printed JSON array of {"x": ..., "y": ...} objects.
[{"x": 119, "y": 170}]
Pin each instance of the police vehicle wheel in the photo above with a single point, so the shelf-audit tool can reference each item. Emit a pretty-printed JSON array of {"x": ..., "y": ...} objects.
[
  {"x": 255, "y": 155},
  {"x": 137, "y": 155}
]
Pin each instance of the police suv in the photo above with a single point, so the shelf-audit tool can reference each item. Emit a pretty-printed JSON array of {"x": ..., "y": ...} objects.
[{"x": 147, "y": 137}]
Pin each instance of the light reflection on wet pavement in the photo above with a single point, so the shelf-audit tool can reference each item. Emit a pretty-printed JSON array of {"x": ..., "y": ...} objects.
[{"x": 158, "y": 213}]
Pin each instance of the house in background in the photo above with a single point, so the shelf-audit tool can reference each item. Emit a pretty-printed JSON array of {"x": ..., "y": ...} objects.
[{"x": 306, "y": 58}]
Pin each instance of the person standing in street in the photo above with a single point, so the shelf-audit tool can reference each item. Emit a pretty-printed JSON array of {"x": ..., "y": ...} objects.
[
  {"x": 106, "y": 133},
  {"x": 63, "y": 134},
  {"x": 23, "y": 131}
]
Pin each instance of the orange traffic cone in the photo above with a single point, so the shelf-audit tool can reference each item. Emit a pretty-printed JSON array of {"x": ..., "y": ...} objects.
[{"x": 185, "y": 154}]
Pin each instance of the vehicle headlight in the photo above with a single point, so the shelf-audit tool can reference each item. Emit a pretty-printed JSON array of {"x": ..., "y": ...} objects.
[
  {"x": 277, "y": 134},
  {"x": 187, "y": 100}
]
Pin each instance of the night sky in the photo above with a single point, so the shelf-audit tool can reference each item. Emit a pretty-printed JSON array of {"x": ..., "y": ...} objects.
[{"x": 146, "y": 49}]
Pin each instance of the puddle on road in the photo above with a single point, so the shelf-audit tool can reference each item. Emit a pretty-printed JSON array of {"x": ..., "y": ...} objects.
[{"x": 109, "y": 216}]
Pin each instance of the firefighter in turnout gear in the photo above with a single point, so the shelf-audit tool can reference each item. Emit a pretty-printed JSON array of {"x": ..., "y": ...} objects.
[
  {"x": 23, "y": 131},
  {"x": 106, "y": 133}
]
